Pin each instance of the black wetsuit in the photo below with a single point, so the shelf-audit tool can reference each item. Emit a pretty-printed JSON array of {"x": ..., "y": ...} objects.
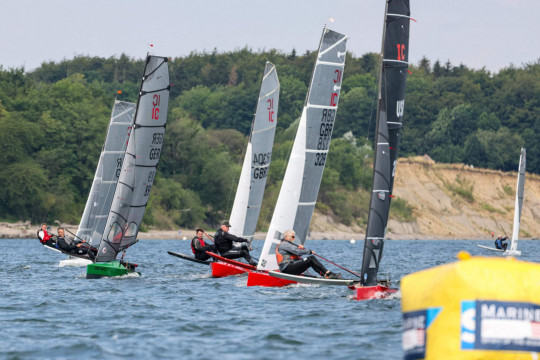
[
  {"x": 298, "y": 266},
  {"x": 200, "y": 248},
  {"x": 224, "y": 244},
  {"x": 71, "y": 246}
]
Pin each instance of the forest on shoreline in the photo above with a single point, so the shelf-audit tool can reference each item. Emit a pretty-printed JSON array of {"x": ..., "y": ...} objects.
[{"x": 53, "y": 122}]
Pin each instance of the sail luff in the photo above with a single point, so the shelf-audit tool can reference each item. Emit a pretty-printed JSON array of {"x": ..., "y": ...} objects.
[
  {"x": 252, "y": 182},
  {"x": 390, "y": 106},
  {"x": 300, "y": 187},
  {"x": 520, "y": 189},
  {"x": 140, "y": 161}
]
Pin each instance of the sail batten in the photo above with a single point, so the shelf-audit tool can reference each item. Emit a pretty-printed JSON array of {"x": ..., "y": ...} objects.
[
  {"x": 390, "y": 106},
  {"x": 300, "y": 187}
]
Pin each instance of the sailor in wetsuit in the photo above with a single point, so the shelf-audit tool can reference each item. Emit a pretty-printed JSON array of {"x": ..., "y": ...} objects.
[
  {"x": 74, "y": 247},
  {"x": 44, "y": 236},
  {"x": 289, "y": 258},
  {"x": 199, "y": 247},
  {"x": 500, "y": 244},
  {"x": 224, "y": 244}
]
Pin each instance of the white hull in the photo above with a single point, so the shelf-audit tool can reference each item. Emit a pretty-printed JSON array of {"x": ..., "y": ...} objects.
[
  {"x": 74, "y": 262},
  {"x": 512, "y": 253}
]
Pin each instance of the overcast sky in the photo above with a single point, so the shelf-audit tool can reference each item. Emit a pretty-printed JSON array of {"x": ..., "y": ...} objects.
[{"x": 477, "y": 33}]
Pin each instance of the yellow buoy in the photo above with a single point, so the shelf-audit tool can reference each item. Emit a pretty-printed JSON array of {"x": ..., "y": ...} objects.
[{"x": 476, "y": 308}]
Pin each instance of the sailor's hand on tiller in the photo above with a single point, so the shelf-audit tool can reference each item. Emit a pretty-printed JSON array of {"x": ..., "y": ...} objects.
[{"x": 301, "y": 247}]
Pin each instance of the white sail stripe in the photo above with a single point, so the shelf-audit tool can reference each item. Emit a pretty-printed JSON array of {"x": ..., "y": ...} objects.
[
  {"x": 333, "y": 46},
  {"x": 330, "y": 63},
  {"x": 260, "y": 166},
  {"x": 123, "y": 113},
  {"x": 321, "y": 106},
  {"x": 263, "y": 130},
  {"x": 373, "y": 238},
  {"x": 316, "y": 151},
  {"x": 394, "y": 123},
  {"x": 399, "y": 15},
  {"x": 396, "y": 61},
  {"x": 270, "y": 93},
  {"x": 383, "y": 144},
  {"x": 270, "y": 73},
  {"x": 307, "y": 203},
  {"x": 113, "y": 152},
  {"x": 381, "y": 191}
]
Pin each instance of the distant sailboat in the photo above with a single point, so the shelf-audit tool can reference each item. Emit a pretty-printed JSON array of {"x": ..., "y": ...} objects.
[
  {"x": 390, "y": 108},
  {"x": 249, "y": 194},
  {"x": 137, "y": 173},
  {"x": 300, "y": 188},
  {"x": 520, "y": 190}
]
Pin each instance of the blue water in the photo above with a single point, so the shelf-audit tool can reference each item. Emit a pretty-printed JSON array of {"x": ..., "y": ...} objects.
[{"x": 175, "y": 310}]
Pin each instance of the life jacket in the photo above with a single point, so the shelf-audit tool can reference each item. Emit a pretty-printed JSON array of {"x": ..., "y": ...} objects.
[
  {"x": 285, "y": 258},
  {"x": 45, "y": 236},
  {"x": 201, "y": 241}
]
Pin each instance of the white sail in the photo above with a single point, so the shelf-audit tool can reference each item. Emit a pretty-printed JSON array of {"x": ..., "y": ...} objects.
[
  {"x": 300, "y": 188},
  {"x": 140, "y": 161},
  {"x": 108, "y": 169},
  {"x": 520, "y": 190},
  {"x": 249, "y": 194}
]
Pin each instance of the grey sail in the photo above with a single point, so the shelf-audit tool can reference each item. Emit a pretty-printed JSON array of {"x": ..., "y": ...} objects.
[
  {"x": 391, "y": 101},
  {"x": 108, "y": 170},
  {"x": 300, "y": 187},
  {"x": 249, "y": 195},
  {"x": 140, "y": 161}
]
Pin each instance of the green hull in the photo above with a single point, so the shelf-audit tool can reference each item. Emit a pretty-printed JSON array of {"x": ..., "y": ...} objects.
[{"x": 111, "y": 268}]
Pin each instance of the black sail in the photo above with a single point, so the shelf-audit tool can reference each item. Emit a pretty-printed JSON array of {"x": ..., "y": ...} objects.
[{"x": 391, "y": 100}]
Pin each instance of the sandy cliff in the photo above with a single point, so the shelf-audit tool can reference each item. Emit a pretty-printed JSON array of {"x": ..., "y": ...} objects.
[{"x": 449, "y": 201}]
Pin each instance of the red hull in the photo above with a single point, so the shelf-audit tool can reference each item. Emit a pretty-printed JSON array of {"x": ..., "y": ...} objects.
[
  {"x": 226, "y": 267},
  {"x": 373, "y": 292},
  {"x": 258, "y": 278},
  {"x": 222, "y": 269}
]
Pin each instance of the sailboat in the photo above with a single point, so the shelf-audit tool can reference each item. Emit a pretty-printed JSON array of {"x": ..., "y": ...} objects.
[
  {"x": 300, "y": 188},
  {"x": 390, "y": 108},
  {"x": 252, "y": 182},
  {"x": 108, "y": 170},
  {"x": 138, "y": 170},
  {"x": 520, "y": 190}
]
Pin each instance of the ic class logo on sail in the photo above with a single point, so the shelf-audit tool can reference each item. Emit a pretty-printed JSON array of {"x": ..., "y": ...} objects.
[
  {"x": 337, "y": 86},
  {"x": 155, "y": 110}
]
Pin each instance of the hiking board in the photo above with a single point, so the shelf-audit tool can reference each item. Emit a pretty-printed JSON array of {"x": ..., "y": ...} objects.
[
  {"x": 490, "y": 248},
  {"x": 232, "y": 262},
  {"x": 312, "y": 280},
  {"x": 188, "y": 257}
]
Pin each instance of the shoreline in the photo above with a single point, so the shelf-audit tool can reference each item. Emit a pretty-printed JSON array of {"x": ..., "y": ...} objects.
[{"x": 25, "y": 230}]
